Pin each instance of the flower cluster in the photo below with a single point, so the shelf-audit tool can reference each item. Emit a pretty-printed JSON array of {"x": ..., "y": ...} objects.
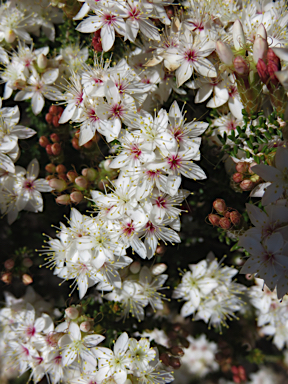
[{"x": 210, "y": 293}]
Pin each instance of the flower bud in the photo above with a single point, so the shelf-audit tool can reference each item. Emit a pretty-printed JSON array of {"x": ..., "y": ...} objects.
[
  {"x": 237, "y": 177},
  {"x": 91, "y": 174},
  {"x": 60, "y": 168},
  {"x": 56, "y": 149},
  {"x": 84, "y": 172},
  {"x": 174, "y": 362},
  {"x": 54, "y": 138},
  {"x": 224, "y": 52},
  {"x": 160, "y": 250},
  {"x": 43, "y": 141},
  {"x": 96, "y": 41},
  {"x": 62, "y": 176},
  {"x": 71, "y": 175},
  {"x": 49, "y": 118},
  {"x": 214, "y": 219},
  {"x": 135, "y": 267},
  {"x": 49, "y": 149},
  {"x": 58, "y": 185},
  {"x": 227, "y": 215},
  {"x": 242, "y": 167},
  {"x": 260, "y": 48},
  {"x": 102, "y": 184},
  {"x": 42, "y": 61},
  {"x": 55, "y": 121},
  {"x": 50, "y": 168},
  {"x": 76, "y": 197},
  {"x": 85, "y": 326},
  {"x": 7, "y": 277},
  {"x": 273, "y": 66},
  {"x": 261, "y": 31},
  {"x": 9, "y": 36},
  {"x": 89, "y": 144},
  {"x": 27, "y": 262},
  {"x": 177, "y": 351},
  {"x": 220, "y": 206},
  {"x": 53, "y": 110},
  {"x": 27, "y": 279},
  {"x": 262, "y": 71},
  {"x": 49, "y": 177},
  {"x": 255, "y": 178},
  {"x": 63, "y": 199},
  {"x": 238, "y": 35},
  {"x": 164, "y": 358},
  {"x": 75, "y": 144},
  {"x": 241, "y": 67},
  {"x": 235, "y": 218},
  {"x": 81, "y": 182},
  {"x": 72, "y": 313},
  {"x": 246, "y": 185},
  {"x": 9, "y": 264},
  {"x": 225, "y": 223},
  {"x": 157, "y": 269}
]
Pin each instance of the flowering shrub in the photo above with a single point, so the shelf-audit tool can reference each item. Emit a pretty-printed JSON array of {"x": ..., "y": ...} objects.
[{"x": 158, "y": 131}]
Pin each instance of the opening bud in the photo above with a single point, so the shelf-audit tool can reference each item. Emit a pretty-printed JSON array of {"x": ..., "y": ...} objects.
[
  {"x": 250, "y": 170},
  {"x": 75, "y": 143},
  {"x": 260, "y": 48},
  {"x": 246, "y": 185},
  {"x": 7, "y": 277},
  {"x": 174, "y": 362},
  {"x": 241, "y": 67},
  {"x": 157, "y": 269},
  {"x": 72, "y": 313},
  {"x": 76, "y": 197},
  {"x": 85, "y": 326},
  {"x": 63, "y": 199},
  {"x": 225, "y": 223},
  {"x": 235, "y": 218},
  {"x": 220, "y": 206},
  {"x": 71, "y": 175},
  {"x": 9, "y": 36},
  {"x": 273, "y": 66},
  {"x": 238, "y": 177},
  {"x": 27, "y": 279},
  {"x": 135, "y": 267},
  {"x": 58, "y": 185},
  {"x": 177, "y": 351},
  {"x": 238, "y": 35},
  {"x": 242, "y": 167},
  {"x": 81, "y": 182},
  {"x": 49, "y": 149},
  {"x": 261, "y": 31},
  {"x": 214, "y": 219},
  {"x": 262, "y": 71},
  {"x": 225, "y": 53},
  {"x": 42, "y": 61}
]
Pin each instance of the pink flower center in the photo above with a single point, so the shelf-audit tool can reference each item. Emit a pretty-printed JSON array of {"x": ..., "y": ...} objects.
[
  {"x": 178, "y": 133},
  {"x": 28, "y": 184},
  {"x": 109, "y": 19},
  {"x": 198, "y": 25},
  {"x": 134, "y": 13},
  {"x": 25, "y": 350},
  {"x": 117, "y": 110},
  {"x": 160, "y": 202},
  {"x": 135, "y": 151},
  {"x": 93, "y": 116},
  {"x": 97, "y": 81},
  {"x": 232, "y": 91},
  {"x": 231, "y": 125},
  {"x": 153, "y": 174},
  {"x": 30, "y": 331},
  {"x": 128, "y": 229},
  {"x": 190, "y": 55},
  {"x": 79, "y": 98},
  {"x": 145, "y": 81},
  {"x": 150, "y": 227},
  {"x": 58, "y": 360},
  {"x": 174, "y": 161}
]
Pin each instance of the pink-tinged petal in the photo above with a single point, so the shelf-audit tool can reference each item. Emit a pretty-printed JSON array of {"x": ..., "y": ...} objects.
[
  {"x": 37, "y": 103},
  {"x": 107, "y": 37},
  {"x": 257, "y": 216},
  {"x": 274, "y": 243},
  {"x": 281, "y": 159},
  {"x": 267, "y": 172},
  {"x": 121, "y": 345},
  {"x": 68, "y": 356},
  {"x": 272, "y": 193},
  {"x": 188, "y": 309}
]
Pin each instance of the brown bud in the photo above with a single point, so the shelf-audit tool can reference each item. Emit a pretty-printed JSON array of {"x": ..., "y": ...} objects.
[
  {"x": 164, "y": 358},
  {"x": 9, "y": 264},
  {"x": 242, "y": 167},
  {"x": 49, "y": 149},
  {"x": 7, "y": 277},
  {"x": 220, "y": 206},
  {"x": 237, "y": 177},
  {"x": 50, "y": 168},
  {"x": 225, "y": 223},
  {"x": 63, "y": 199},
  {"x": 174, "y": 362},
  {"x": 214, "y": 219},
  {"x": 75, "y": 143},
  {"x": 81, "y": 182},
  {"x": 227, "y": 215},
  {"x": 183, "y": 341},
  {"x": 27, "y": 279},
  {"x": 44, "y": 141},
  {"x": 56, "y": 149},
  {"x": 160, "y": 250},
  {"x": 177, "y": 351},
  {"x": 235, "y": 217},
  {"x": 27, "y": 262},
  {"x": 54, "y": 138},
  {"x": 247, "y": 185},
  {"x": 241, "y": 66},
  {"x": 76, "y": 197},
  {"x": 58, "y": 185},
  {"x": 60, "y": 168},
  {"x": 49, "y": 118},
  {"x": 71, "y": 175}
]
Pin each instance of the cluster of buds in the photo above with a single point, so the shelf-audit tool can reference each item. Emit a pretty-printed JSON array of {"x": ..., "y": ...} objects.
[
  {"x": 75, "y": 314},
  {"x": 53, "y": 116},
  {"x": 18, "y": 266},
  {"x": 226, "y": 218},
  {"x": 96, "y": 41},
  {"x": 239, "y": 374},
  {"x": 245, "y": 178},
  {"x": 53, "y": 147},
  {"x": 178, "y": 340}
]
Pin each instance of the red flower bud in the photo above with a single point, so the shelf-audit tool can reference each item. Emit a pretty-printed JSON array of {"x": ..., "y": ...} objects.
[
  {"x": 85, "y": 326},
  {"x": 60, "y": 168},
  {"x": 53, "y": 109},
  {"x": 88, "y": 145},
  {"x": 58, "y": 185},
  {"x": 164, "y": 358},
  {"x": 63, "y": 199},
  {"x": 220, "y": 206},
  {"x": 238, "y": 177},
  {"x": 225, "y": 223},
  {"x": 262, "y": 71},
  {"x": 227, "y": 215},
  {"x": 50, "y": 168},
  {"x": 49, "y": 149},
  {"x": 235, "y": 218},
  {"x": 76, "y": 197},
  {"x": 214, "y": 219},
  {"x": 96, "y": 41},
  {"x": 71, "y": 175},
  {"x": 62, "y": 176},
  {"x": 246, "y": 185},
  {"x": 273, "y": 66},
  {"x": 242, "y": 167},
  {"x": 241, "y": 67},
  {"x": 75, "y": 144},
  {"x": 56, "y": 149},
  {"x": 174, "y": 362},
  {"x": 49, "y": 177},
  {"x": 44, "y": 141},
  {"x": 55, "y": 121},
  {"x": 81, "y": 182},
  {"x": 54, "y": 138},
  {"x": 49, "y": 118}
]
